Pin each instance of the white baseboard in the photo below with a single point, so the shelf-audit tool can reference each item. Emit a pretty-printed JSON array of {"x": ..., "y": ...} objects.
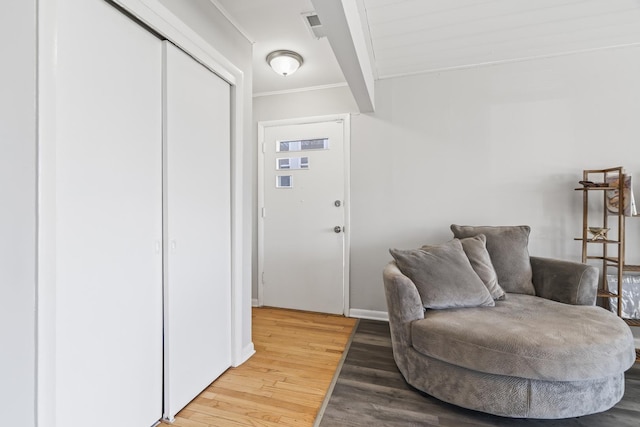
[
  {"x": 369, "y": 314},
  {"x": 254, "y": 302},
  {"x": 247, "y": 352}
]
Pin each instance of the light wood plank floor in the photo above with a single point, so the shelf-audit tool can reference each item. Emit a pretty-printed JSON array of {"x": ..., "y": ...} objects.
[{"x": 285, "y": 382}]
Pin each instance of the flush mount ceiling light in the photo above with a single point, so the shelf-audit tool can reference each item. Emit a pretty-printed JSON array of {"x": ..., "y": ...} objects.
[{"x": 284, "y": 62}]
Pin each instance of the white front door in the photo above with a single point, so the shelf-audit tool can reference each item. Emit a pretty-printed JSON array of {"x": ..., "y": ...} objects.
[{"x": 303, "y": 210}]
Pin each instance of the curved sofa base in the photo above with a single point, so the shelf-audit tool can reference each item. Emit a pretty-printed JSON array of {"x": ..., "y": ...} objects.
[{"x": 509, "y": 396}]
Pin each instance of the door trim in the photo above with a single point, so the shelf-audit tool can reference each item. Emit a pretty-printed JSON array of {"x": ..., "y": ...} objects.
[{"x": 346, "y": 119}]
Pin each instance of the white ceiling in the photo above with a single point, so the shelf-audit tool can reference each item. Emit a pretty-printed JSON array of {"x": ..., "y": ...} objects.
[
  {"x": 416, "y": 36},
  {"x": 278, "y": 24},
  {"x": 412, "y": 36}
]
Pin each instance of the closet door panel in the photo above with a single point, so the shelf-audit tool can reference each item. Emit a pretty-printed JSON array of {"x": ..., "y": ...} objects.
[
  {"x": 197, "y": 228},
  {"x": 109, "y": 219}
]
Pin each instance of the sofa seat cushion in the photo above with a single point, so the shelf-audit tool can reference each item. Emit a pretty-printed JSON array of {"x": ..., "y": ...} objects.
[{"x": 528, "y": 337}]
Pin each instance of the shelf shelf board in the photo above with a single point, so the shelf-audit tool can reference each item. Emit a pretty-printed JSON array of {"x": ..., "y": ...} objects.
[
  {"x": 595, "y": 188},
  {"x": 613, "y": 260},
  {"x": 603, "y": 293},
  {"x": 632, "y": 322},
  {"x": 613, "y": 242},
  {"x": 627, "y": 267}
]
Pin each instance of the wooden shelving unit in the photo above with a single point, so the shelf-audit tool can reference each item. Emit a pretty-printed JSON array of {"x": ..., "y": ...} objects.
[{"x": 611, "y": 248}]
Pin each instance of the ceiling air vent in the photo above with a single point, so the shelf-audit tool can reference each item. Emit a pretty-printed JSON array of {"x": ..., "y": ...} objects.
[{"x": 314, "y": 25}]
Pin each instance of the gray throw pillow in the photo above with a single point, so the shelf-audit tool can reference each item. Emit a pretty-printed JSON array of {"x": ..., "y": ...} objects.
[
  {"x": 476, "y": 250},
  {"x": 508, "y": 249},
  {"x": 443, "y": 275}
]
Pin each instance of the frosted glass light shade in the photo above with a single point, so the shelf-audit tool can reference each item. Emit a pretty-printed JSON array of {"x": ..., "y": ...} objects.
[{"x": 284, "y": 62}]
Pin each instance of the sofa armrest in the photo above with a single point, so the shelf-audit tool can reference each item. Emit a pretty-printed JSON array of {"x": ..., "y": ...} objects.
[
  {"x": 404, "y": 306},
  {"x": 565, "y": 281}
]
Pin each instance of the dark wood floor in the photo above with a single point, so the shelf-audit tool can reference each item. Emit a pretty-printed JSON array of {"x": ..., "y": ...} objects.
[{"x": 371, "y": 392}]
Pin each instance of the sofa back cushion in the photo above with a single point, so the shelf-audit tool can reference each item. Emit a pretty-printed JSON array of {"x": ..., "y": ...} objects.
[
  {"x": 443, "y": 276},
  {"x": 508, "y": 248}
]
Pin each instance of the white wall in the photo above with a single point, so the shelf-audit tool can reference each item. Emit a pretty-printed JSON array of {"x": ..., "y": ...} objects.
[
  {"x": 495, "y": 145},
  {"x": 205, "y": 19},
  {"x": 18, "y": 212},
  {"x": 302, "y": 104}
]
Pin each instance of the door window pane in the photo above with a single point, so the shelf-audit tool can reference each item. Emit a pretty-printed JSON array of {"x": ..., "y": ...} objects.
[
  {"x": 284, "y": 181},
  {"x": 292, "y": 163},
  {"x": 303, "y": 144}
]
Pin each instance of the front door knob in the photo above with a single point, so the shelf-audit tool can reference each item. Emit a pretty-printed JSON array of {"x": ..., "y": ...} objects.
[{"x": 337, "y": 229}]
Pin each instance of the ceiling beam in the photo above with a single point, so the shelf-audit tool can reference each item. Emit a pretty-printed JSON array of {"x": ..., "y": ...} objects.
[{"x": 342, "y": 22}]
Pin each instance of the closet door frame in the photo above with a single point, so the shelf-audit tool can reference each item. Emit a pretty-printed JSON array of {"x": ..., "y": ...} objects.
[{"x": 159, "y": 19}]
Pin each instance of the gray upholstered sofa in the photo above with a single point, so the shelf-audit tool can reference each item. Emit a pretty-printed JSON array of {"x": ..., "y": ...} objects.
[{"x": 537, "y": 348}]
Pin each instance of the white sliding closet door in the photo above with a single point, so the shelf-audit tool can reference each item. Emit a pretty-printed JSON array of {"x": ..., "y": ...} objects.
[
  {"x": 197, "y": 229},
  {"x": 108, "y": 218}
]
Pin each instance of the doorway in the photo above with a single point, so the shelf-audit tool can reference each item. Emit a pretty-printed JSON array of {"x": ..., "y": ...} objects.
[{"x": 304, "y": 214}]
